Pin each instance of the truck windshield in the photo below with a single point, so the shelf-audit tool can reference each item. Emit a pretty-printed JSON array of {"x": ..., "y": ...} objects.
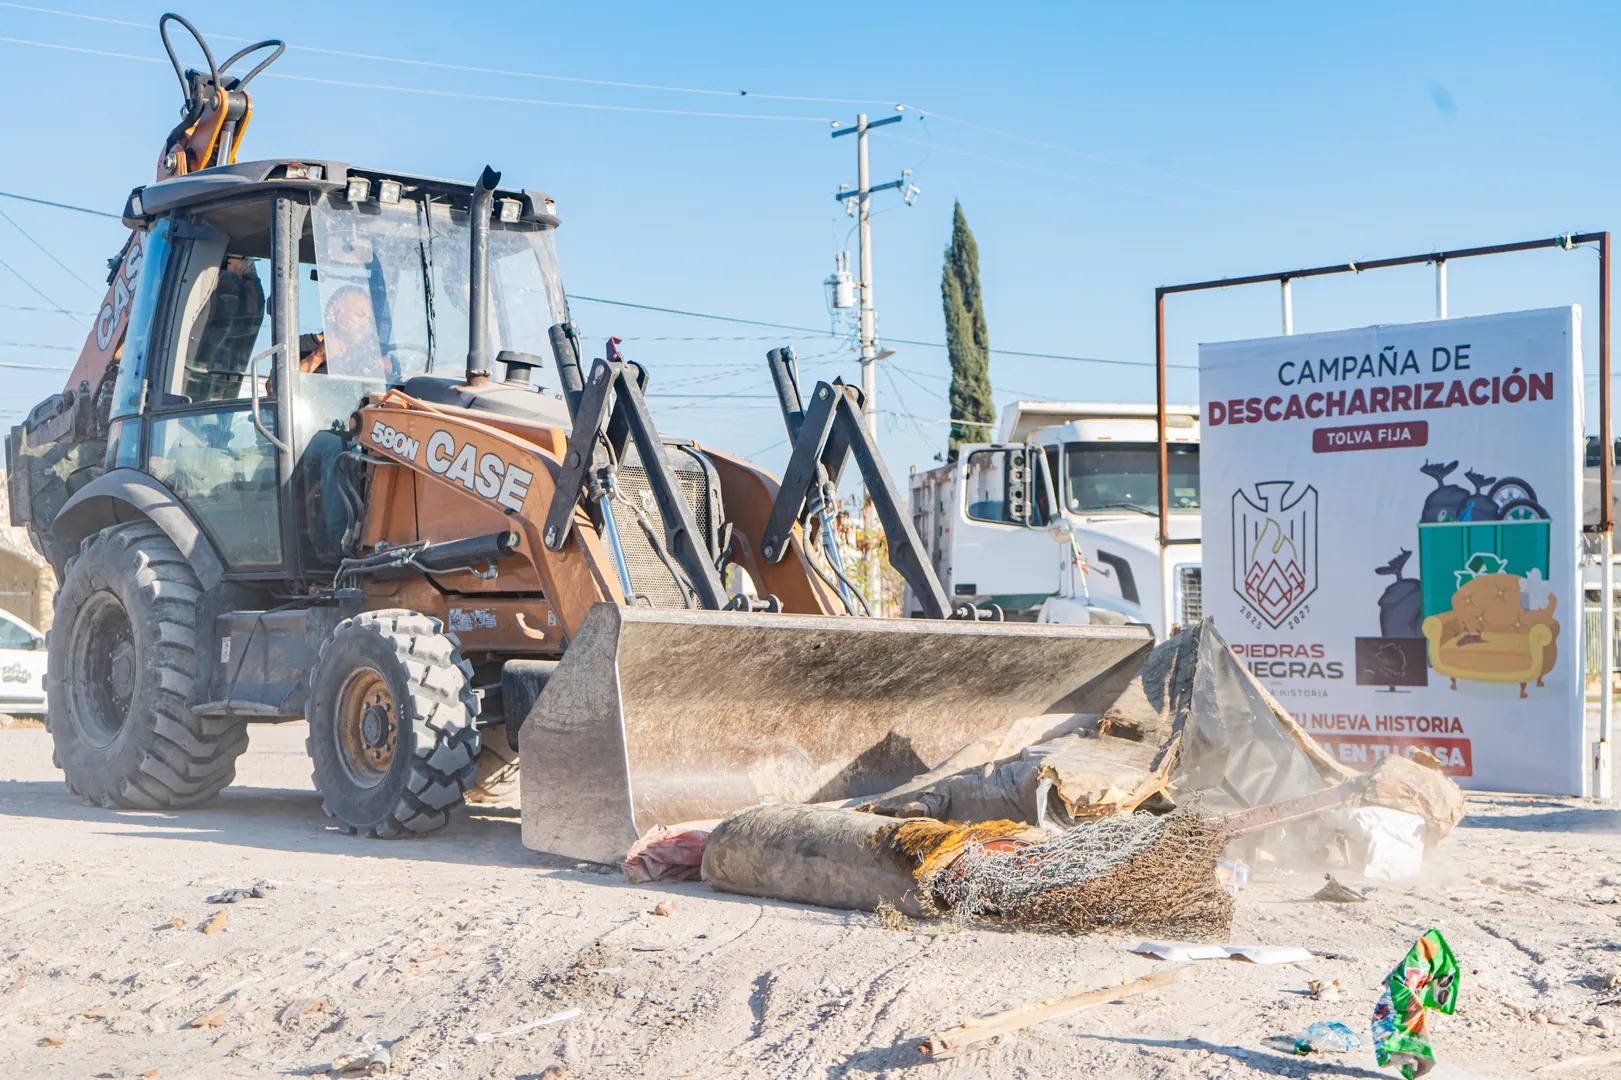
[
  {"x": 392, "y": 280},
  {"x": 1125, "y": 476}
]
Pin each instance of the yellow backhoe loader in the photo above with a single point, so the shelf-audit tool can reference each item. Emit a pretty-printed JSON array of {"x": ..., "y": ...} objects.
[{"x": 332, "y": 455}]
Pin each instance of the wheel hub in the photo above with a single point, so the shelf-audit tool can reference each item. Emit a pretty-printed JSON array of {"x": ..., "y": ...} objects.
[
  {"x": 374, "y": 727},
  {"x": 121, "y": 669},
  {"x": 102, "y": 668},
  {"x": 367, "y": 727}
]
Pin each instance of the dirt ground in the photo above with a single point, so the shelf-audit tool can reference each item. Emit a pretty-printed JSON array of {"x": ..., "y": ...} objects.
[{"x": 467, "y": 932}]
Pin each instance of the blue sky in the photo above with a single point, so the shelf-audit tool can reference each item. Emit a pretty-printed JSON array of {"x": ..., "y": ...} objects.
[{"x": 1130, "y": 146}]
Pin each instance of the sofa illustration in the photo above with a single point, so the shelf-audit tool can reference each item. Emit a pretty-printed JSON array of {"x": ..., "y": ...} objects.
[{"x": 1488, "y": 636}]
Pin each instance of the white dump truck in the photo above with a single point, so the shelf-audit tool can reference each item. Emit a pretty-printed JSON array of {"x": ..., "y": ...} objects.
[{"x": 1057, "y": 521}]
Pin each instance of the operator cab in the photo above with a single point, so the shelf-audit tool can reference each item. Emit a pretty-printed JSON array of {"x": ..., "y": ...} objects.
[{"x": 275, "y": 296}]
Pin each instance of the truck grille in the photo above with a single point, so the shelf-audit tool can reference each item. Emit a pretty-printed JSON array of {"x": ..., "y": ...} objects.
[
  {"x": 648, "y": 575},
  {"x": 1191, "y": 581}
]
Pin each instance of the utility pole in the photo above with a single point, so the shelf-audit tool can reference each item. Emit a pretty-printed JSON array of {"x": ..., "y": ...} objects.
[{"x": 869, "y": 319}]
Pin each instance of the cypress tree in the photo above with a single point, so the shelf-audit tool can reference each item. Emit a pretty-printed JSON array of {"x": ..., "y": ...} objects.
[{"x": 968, "y": 342}]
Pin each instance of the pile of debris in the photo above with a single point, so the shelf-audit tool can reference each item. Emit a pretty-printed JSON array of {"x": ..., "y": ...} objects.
[{"x": 1083, "y": 822}]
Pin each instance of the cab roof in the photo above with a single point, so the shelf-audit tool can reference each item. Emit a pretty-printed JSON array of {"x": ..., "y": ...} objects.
[{"x": 307, "y": 174}]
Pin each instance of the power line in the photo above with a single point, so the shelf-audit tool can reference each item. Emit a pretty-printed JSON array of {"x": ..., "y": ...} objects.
[
  {"x": 52, "y": 311},
  {"x": 655, "y": 87},
  {"x": 35, "y": 344},
  {"x": 48, "y": 253},
  {"x": 468, "y": 68},
  {"x": 457, "y": 94},
  {"x": 40, "y": 293},
  {"x": 887, "y": 339},
  {"x": 32, "y": 367},
  {"x": 59, "y": 206}
]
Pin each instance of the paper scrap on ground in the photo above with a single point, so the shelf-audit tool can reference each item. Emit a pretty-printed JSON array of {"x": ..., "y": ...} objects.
[
  {"x": 1183, "y": 951},
  {"x": 555, "y": 1018}
]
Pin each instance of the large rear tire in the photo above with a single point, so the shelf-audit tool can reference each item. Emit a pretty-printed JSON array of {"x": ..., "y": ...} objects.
[
  {"x": 120, "y": 672},
  {"x": 391, "y": 713}
]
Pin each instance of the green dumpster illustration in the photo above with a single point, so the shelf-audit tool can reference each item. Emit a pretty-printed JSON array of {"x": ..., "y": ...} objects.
[
  {"x": 1476, "y": 625},
  {"x": 1450, "y": 553}
]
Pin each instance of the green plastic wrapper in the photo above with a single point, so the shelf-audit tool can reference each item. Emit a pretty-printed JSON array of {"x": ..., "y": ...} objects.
[{"x": 1427, "y": 978}]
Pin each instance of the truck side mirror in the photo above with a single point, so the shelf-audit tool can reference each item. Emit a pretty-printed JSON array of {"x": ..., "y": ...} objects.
[{"x": 1016, "y": 492}]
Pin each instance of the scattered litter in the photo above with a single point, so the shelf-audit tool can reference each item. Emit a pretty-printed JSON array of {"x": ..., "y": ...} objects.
[
  {"x": 1427, "y": 978},
  {"x": 555, "y": 1018},
  {"x": 51, "y": 1040},
  {"x": 215, "y": 924},
  {"x": 173, "y": 964},
  {"x": 1328, "y": 1037},
  {"x": 149, "y": 1074},
  {"x": 93, "y": 1014},
  {"x": 1184, "y": 951},
  {"x": 1233, "y": 876},
  {"x": 1325, "y": 990},
  {"x": 375, "y": 1060},
  {"x": 1612, "y": 980},
  {"x": 214, "y": 1018},
  {"x": 1336, "y": 892},
  {"x": 232, "y": 896},
  {"x": 980, "y": 1031},
  {"x": 647, "y": 948},
  {"x": 673, "y": 854},
  {"x": 172, "y": 924},
  {"x": 664, "y": 907},
  {"x": 1382, "y": 844},
  {"x": 1601, "y": 1022},
  {"x": 16, "y": 984},
  {"x": 553, "y": 1072},
  {"x": 303, "y": 1007}
]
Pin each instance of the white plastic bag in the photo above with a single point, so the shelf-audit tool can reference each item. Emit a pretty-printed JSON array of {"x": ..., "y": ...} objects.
[{"x": 1382, "y": 844}]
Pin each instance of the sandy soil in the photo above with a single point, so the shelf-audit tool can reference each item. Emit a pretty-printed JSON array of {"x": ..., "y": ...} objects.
[{"x": 467, "y": 932}]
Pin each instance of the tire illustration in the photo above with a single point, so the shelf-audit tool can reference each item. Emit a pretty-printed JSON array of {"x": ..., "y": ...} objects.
[
  {"x": 120, "y": 674},
  {"x": 1511, "y": 489},
  {"x": 1522, "y": 510},
  {"x": 391, "y": 711}
]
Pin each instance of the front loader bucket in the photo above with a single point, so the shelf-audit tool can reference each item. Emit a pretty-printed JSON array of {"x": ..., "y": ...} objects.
[{"x": 656, "y": 717}]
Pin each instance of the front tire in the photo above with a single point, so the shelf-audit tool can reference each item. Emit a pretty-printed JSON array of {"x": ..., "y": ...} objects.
[
  {"x": 120, "y": 674},
  {"x": 391, "y": 712}
]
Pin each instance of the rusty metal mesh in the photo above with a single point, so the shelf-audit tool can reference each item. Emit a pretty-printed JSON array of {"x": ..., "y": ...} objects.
[{"x": 1132, "y": 873}]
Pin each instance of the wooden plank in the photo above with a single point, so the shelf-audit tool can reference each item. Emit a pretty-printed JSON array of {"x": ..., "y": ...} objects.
[{"x": 973, "y": 1033}]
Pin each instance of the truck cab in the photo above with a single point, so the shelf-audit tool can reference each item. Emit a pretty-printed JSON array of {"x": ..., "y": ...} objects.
[{"x": 1091, "y": 554}]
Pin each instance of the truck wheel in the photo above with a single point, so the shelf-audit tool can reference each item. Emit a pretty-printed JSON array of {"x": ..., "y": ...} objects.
[
  {"x": 119, "y": 676},
  {"x": 391, "y": 713}
]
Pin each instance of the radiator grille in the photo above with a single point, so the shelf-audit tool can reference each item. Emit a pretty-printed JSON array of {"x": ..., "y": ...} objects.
[
  {"x": 648, "y": 575},
  {"x": 1191, "y": 580}
]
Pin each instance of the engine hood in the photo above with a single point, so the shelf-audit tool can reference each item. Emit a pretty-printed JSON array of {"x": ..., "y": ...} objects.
[{"x": 1137, "y": 533}]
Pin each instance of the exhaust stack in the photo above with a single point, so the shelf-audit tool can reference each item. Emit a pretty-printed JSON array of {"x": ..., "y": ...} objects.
[{"x": 478, "y": 280}]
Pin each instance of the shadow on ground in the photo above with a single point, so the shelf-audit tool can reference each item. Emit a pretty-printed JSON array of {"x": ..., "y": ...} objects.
[{"x": 1574, "y": 819}]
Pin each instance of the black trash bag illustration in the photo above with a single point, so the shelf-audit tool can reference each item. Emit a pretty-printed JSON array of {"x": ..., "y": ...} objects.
[
  {"x": 1401, "y": 605},
  {"x": 1447, "y": 501}
]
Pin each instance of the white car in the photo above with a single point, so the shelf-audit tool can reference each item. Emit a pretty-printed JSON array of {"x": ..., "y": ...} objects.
[{"x": 22, "y": 666}]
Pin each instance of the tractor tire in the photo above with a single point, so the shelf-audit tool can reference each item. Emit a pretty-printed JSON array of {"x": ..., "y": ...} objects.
[
  {"x": 120, "y": 673},
  {"x": 391, "y": 712}
]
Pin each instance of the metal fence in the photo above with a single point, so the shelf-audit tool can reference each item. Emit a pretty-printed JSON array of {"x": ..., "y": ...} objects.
[{"x": 1595, "y": 644}]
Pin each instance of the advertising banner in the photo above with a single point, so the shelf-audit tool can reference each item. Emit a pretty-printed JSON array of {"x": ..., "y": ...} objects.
[{"x": 1391, "y": 521}]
